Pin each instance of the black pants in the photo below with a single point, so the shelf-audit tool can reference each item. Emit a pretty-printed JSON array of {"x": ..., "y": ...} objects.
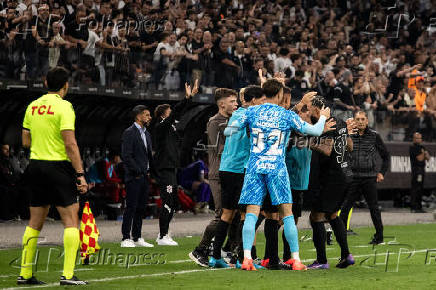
[
  {"x": 369, "y": 190},
  {"x": 417, "y": 188},
  {"x": 167, "y": 180},
  {"x": 136, "y": 201}
]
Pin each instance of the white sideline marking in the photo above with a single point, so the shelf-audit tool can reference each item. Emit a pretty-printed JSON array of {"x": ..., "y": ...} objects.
[
  {"x": 75, "y": 270},
  {"x": 188, "y": 271},
  {"x": 169, "y": 262},
  {"x": 327, "y": 249},
  {"x": 362, "y": 256},
  {"x": 179, "y": 261},
  {"x": 125, "y": 277}
]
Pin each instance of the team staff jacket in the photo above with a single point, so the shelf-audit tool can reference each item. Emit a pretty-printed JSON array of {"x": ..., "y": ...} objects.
[
  {"x": 167, "y": 139},
  {"x": 364, "y": 154}
]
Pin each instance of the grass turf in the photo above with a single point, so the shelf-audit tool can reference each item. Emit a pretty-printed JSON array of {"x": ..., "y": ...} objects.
[{"x": 170, "y": 267}]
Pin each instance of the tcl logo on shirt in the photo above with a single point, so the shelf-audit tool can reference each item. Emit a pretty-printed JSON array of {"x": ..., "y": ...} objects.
[{"x": 41, "y": 110}]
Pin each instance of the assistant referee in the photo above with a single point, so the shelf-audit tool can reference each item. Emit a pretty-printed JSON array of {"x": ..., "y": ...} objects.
[{"x": 55, "y": 174}]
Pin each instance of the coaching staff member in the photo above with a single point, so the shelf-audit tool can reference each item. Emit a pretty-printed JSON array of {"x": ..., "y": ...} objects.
[
  {"x": 136, "y": 153},
  {"x": 167, "y": 141},
  {"x": 365, "y": 175},
  {"x": 418, "y": 156},
  {"x": 55, "y": 173}
]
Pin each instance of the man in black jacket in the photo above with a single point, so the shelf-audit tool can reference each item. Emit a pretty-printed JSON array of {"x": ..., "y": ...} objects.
[
  {"x": 167, "y": 143},
  {"x": 418, "y": 156},
  {"x": 136, "y": 153},
  {"x": 365, "y": 175}
]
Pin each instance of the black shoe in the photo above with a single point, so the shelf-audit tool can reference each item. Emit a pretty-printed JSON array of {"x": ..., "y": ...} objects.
[
  {"x": 376, "y": 241},
  {"x": 351, "y": 233},
  {"x": 344, "y": 263},
  {"x": 418, "y": 210},
  {"x": 279, "y": 266},
  {"x": 199, "y": 258},
  {"x": 73, "y": 281},
  {"x": 31, "y": 281}
]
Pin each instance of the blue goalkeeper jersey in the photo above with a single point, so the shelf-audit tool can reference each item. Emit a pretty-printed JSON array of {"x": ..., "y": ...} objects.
[
  {"x": 270, "y": 126},
  {"x": 236, "y": 149}
]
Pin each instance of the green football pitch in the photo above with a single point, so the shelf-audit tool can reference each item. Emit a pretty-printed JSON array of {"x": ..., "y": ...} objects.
[{"x": 406, "y": 261}]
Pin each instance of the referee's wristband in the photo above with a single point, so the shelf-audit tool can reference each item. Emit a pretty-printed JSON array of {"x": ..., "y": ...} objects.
[{"x": 79, "y": 174}]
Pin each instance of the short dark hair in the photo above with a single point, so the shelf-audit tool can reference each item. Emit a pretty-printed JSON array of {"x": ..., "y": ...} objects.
[
  {"x": 56, "y": 78},
  {"x": 160, "y": 110},
  {"x": 253, "y": 92},
  {"x": 283, "y": 51},
  {"x": 294, "y": 57},
  {"x": 271, "y": 88},
  {"x": 221, "y": 93},
  {"x": 318, "y": 102},
  {"x": 361, "y": 112},
  {"x": 138, "y": 109}
]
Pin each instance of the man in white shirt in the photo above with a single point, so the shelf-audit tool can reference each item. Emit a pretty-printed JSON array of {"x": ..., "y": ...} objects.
[{"x": 282, "y": 62}]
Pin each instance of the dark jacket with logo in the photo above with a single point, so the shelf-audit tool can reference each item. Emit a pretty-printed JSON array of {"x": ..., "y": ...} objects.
[{"x": 364, "y": 154}]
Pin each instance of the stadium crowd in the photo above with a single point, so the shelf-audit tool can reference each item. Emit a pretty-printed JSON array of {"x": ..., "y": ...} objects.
[
  {"x": 385, "y": 64},
  {"x": 293, "y": 48}
]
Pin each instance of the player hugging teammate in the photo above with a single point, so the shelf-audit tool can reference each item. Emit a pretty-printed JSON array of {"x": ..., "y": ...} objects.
[{"x": 258, "y": 139}]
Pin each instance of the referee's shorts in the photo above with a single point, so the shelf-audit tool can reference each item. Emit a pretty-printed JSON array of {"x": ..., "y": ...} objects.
[{"x": 51, "y": 183}]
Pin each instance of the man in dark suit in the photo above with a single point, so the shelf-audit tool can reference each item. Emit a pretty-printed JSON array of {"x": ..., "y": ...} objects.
[{"x": 136, "y": 153}]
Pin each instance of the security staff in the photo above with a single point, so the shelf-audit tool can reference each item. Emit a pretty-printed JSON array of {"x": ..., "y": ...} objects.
[
  {"x": 366, "y": 143},
  {"x": 418, "y": 156},
  {"x": 55, "y": 173}
]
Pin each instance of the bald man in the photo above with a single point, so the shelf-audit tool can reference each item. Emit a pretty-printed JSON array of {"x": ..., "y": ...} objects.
[{"x": 418, "y": 156}]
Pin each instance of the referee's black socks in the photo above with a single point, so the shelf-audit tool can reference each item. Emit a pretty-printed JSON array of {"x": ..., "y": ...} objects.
[
  {"x": 319, "y": 239},
  {"x": 220, "y": 236},
  {"x": 271, "y": 230},
  {"x": 341, "y": 236}
]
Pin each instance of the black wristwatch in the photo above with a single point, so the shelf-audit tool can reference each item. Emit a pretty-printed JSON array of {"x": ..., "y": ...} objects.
[{"x": 79, "y": 174}]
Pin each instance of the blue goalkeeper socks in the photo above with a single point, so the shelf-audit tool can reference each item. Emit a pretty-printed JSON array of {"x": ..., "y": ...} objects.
[
  {"x": 291, "y": 233},
  {"x": 248, "y": 233}
]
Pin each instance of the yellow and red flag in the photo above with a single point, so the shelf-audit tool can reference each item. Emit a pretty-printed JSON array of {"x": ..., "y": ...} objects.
[{"x": 88, "y": 233}]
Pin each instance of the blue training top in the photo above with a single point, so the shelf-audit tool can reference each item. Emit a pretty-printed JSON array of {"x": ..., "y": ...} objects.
[
  {"x": 236, "y": 149},
  {"x": 298, "y": 165}
]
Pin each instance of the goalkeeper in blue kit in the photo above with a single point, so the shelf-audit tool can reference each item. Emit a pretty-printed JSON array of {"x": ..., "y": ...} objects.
[{"x": 270, "y": 126}]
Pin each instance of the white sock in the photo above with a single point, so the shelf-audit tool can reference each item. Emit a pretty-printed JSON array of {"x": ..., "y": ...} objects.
[
  {"x": 296, "y": 256},
  {"x": 247, "y": 254}
]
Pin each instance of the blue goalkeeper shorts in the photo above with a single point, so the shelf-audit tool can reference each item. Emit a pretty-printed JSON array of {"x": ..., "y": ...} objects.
[{"x": 257, "y": 185}]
